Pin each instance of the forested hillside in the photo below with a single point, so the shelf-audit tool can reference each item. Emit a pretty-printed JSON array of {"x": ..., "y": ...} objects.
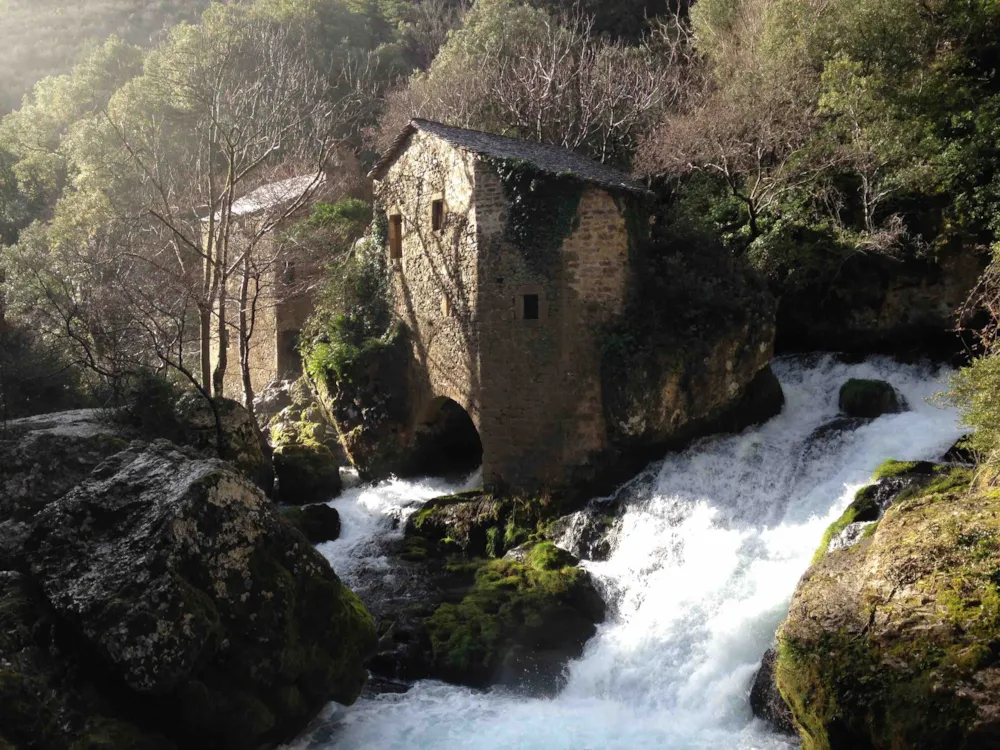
[
  {"x": 677, "y": 191},
  {"x": 39, "y": 38}
]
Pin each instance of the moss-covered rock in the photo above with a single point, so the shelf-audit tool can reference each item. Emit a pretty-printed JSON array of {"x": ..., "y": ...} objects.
[
  {"x": 306, "y": 474},
  {"x": 869, "y": 398},
  {"x": 489, "y": 599},
  {"x": 198, "y": 613},
  {"x": 481, "y": 524},
  {"x": 891, "y": 642},
  {"x": 365, "y": 396},
  {"x": 519, "y": 624},
  {"x": 318, "y": 523}
]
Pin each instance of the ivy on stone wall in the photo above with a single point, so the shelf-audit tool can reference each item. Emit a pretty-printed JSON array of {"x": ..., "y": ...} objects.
[{"x": 542, "y": 210}]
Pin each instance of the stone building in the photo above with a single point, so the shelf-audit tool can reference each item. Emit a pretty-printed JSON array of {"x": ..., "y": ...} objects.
[
  {"x": 509, "y": 260},
  {"x": 281, "y": 301}
]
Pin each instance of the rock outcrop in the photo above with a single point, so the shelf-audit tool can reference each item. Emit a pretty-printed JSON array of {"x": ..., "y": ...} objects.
[
  {"x": 485, "y": 599},
  {"x": 875, "y": 303},
  {"x": 160, "y": 602},
  {"x": 891, "y": 641},
  {"x": 867, "y": 399},
  {"x": 307, "y": 450},
  {"x": 244, "y": 444},
  {"x": 369, "y": 404}
]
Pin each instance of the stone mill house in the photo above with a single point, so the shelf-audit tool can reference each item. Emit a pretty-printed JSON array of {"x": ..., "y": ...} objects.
[
  {"x": 508, "y": 259},
  {"x": 509, "y": 263}
]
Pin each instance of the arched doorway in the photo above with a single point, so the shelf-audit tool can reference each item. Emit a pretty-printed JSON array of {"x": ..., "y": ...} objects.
[{"x": 446, "y": 442}]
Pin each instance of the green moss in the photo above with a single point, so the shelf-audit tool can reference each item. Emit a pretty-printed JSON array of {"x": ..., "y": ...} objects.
[
  {"x": 892, "y": 688},
  {"x": 893, "y": 468},
  {"x": 862, "y": 508},
  {"x": 509, "y": 605},
  {"x": 481, "y": 524}
]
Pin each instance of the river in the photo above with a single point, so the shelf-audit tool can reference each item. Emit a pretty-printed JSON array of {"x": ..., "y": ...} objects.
[{"x": 712, "y": 543}]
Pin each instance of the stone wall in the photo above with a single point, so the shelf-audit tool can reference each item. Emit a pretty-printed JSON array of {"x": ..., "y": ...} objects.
[
  {"x": 273, "y": 352},
  {"x": 542, "y": 402},
  {"x": 435, "y": 283}
]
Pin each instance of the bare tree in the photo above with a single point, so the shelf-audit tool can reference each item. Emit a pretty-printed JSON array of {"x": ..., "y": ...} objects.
[
  {"x": 204, "y": 126},
  {"x": 559, "y": 84}
]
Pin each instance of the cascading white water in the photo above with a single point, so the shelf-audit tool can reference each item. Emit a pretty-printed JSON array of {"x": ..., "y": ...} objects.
[{"x": 712, "y": 544}]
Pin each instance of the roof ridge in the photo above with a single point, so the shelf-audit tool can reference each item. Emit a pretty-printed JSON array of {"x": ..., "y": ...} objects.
[{"x": 547, "y": 157}]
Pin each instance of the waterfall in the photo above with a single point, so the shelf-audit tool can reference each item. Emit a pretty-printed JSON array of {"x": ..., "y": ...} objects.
[{"x": 710, "y": 546}]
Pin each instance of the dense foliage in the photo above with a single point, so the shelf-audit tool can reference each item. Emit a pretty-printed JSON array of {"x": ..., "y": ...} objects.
[{"x": 795, "y": 135}]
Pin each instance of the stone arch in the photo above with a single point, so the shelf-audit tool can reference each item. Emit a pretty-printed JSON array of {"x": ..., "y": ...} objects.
[{"x": 446, "y": 441}]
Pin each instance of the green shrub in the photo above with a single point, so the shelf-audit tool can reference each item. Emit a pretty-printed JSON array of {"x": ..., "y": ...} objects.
[{"x": 975, "y": 390}]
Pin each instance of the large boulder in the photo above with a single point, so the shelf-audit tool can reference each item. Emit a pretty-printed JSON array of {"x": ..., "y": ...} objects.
[
  {"x": 243, "y": 442},
  {"x": 318, "y": 523},
  {"x": 306, "y": 474},
  {"x": 891, "y": 641},
  {"x": 180, "y": 603},
  {"x": 307, "y": 450}
]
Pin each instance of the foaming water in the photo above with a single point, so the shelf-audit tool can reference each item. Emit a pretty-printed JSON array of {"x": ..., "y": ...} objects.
[{"x": 712, "y": 543}]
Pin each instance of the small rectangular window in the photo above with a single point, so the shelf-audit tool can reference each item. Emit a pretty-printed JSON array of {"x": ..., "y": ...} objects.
[
  {"x": 531, "y": 307},
  {"x": 437, "y": 215},
  {"x": 395, "y": 237}
]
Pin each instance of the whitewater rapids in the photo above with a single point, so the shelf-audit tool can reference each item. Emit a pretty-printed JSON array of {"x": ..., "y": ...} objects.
[{"x": 712, "y": 544}]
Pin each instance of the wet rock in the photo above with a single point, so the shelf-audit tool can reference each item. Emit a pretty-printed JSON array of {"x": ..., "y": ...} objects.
[
  {"x": 318, "y": 523},
  {"x": 765, "y": 700},
  {"x": 206, "y": 613},
  {"x": 869, "y": 399},
  {"x": 591, "y": 533},
  {"x": 450, "y": 611},
  {"x": 519, "y": 624},
  {"x": 479, "y": 524},
  {"x": 891, "y": 642},
  {"x": 306, "y": 474}
]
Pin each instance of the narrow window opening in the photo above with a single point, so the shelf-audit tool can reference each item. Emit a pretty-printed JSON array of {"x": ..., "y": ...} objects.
[
  {"x": 437, "y": 215},
  {"x": 531, "y": 307},
  {"x": 395, "y": 237}
]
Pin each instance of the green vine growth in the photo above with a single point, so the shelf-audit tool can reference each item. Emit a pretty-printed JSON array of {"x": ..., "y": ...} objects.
[{"x": 542, "y": 210}]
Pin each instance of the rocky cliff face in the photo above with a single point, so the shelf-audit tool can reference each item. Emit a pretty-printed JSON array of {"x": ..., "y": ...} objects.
[
  {"x": 159, "y": 601},
  {"x": 891, "y": 636},
  {"x": 878, "y": 304}
]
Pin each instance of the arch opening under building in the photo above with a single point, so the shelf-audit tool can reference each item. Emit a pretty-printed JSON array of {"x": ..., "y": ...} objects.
[{"x": 446, "y": 441}]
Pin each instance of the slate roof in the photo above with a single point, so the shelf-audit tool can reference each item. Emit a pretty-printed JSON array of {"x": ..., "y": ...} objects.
[
  {"x": 275, "y": 193},
  {"x": 554, "y": 160}
]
